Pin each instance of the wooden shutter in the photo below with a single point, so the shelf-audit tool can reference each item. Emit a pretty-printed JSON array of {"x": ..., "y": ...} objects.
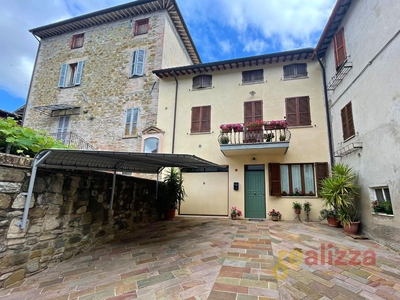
[
  {"x": 304, "y": 111},
  {"x": 63, "y": 75},
  {"x": 207, "y": 81},
  {"x": 140, "y": 62},
  {"x": 205, "y": 119},
  {"x": 301, "y": 69},
  {"x": 196, "y": 111},
  {"x": 347, "y": 121},
  {"x": 340, "y": 47},
  {"x": 246, "y": 76},
  {"x": 132, "y": 116},
  {"x": 196, "y": 82},
  {"x": 291, "y": 111},
  {"x": 253, "y": 111},
  {"x": 274, "y": 179},
  {"x": 79, "y": 70},
  {"x": 257, "y": 75},
  {"x": 321, "y": 171},
  {"x": 288, "y": 71}
]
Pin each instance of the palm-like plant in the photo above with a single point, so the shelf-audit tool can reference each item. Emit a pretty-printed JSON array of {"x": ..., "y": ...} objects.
[
  {"x": 339, "y": 190},
  {"x": 174, "y": 191}
]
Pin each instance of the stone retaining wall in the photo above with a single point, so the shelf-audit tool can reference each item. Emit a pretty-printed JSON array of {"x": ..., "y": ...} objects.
[{"x": 68, "y": 214}]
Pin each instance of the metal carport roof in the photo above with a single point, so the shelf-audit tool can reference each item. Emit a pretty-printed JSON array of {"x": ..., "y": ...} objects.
[{"x": 137, "y": 162}]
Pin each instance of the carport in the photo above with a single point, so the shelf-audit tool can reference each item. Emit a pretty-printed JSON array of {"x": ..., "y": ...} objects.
[{"x": 135, "y": 162}]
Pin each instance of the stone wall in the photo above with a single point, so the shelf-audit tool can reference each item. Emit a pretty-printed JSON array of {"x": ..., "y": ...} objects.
[{"x": 68, "y": 214}]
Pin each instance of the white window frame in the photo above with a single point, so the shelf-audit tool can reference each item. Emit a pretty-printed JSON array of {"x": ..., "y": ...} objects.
[
  {"x": 150, "y": 139},
  {"x": 131, "y": 118},
  {"x": 70, "y": 74},
  {"x": 138, "y": 63},
  {"x": 382, "y": 189}
]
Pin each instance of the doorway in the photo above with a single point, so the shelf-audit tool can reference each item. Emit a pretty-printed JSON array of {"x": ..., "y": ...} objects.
[{"x": 255, "y": 192}]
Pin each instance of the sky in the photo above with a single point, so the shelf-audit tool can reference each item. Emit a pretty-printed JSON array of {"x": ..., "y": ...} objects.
[{"x": 220, "y": 29}]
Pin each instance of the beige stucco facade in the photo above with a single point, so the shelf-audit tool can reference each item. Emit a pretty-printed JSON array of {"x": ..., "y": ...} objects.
[
  {"x": 371, "y": 30},
  {"x": 106, "y": 90},
  {"x": 212, "y": 193}
]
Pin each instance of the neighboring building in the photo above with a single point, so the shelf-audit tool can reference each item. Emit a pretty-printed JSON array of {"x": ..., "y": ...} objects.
[
  {"x": 92, "y": 78},
  {"x": 262, "y": 172},
  {"x": 16, "y": 115},
  {"x": 359, "y": 49}
]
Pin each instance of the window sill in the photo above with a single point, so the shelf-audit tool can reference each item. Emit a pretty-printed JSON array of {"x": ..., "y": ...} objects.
[
  {"x": 202, "y": 89},
  {"x": 253, "y": 82},
  {"x": 136, "y": 76},
  {"x": 197, "y": 133},
  {"x": 381, "y": 214},
  {"x": 299, "y": 126},
  {"x": 349, "y": 138},
  {"x": 129, "y": 137},
  {"x": 68, "y": 87},
  {"x": 305, "y": 196},
  {"x": 294, "y": 78}
]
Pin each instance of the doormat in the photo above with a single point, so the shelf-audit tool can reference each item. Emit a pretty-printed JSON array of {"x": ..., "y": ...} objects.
[
  {"x": 357, "y": 236},
  {"x": 256, "y": 220}
]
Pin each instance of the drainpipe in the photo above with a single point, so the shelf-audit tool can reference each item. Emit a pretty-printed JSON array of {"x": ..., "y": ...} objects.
[
  {"x": 328, "y": 118},
  {"x": 175, "y": 107}
]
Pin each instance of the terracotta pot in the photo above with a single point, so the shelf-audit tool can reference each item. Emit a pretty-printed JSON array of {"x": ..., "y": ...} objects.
[
  {"x": 352, "y": 228},
  {"x": 226, "y": 130},
  {"x": 169, "y": 214},
  {"x": 233, "y": 216},
  {"x": 275, "y": 218},
  {"x": 333, "y": 222},
  {"x": 258, "y": 128},
  {"x": 297, "y": 211}
]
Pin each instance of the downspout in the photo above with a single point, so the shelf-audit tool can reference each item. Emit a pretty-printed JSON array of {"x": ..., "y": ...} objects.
[
  {"x": 328, "y": 118},
  {"x": 30, "y": 84},
  {"x": 175, "y": 107}
]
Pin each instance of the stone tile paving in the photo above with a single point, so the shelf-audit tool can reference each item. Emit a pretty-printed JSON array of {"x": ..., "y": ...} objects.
[{"x": 211, "y": 258}]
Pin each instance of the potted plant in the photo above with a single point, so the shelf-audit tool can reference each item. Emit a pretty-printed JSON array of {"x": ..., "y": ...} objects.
[
  {"x": 307, "y": 208},
  {"x": 276, "y": 124},
  {"x": 377, "y": 206},
  {"x": 235, "y": 212},
  {"x": 255, "y": 126},
  {"x": 237, "y": 127},
  {"x": 224, "y": 140},
  {"x": 297, "y": 207},
  {"x": 339, "y": 190},
  {"x": 174, "y": 192},
  {"x": 388, "y": 207},
  {"x": 226, "y": 128},
  {"x": 282, "y": 137},
  {"x": 275, "y": 215},
  {"x": 330, "y": 216},
  {"x": 348, "y": 216},
  {"x": 268, "y": 137}
]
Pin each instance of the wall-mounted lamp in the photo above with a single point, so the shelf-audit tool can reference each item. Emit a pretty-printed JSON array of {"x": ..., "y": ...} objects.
[
  {"x": 253, "y": 159},
  {"x": 252, "y": 93}
]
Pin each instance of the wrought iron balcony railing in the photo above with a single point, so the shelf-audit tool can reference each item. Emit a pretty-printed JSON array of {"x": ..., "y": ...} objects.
[
  {"x": 70, "y": 138},
  {"x": 234, "y": 134}
]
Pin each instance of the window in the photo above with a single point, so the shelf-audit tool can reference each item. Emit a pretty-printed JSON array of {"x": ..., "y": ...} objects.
[
  {"x": 202, "y": 81},
  {"x": 340, "y": 48},
  {"x": 151, "y": 145},
  {"x": 70, "y": 74},
  {"x": 201, "y": 119},
  {"x": 141, "y": 27},
  {"x": 296, "y": 179},
  {"x": 77, "y": 41},
  {"x": 347, "y": 121},
  {"x": 131, "y": 123},
  {"x": 298, "y": 111},
  {"x": 253, "y": 76},
  {"x": 138, "y": 60},
  {"x": 382, "y": 194},
  {"x": 295, "y": 70},
  {"x": 253, "y": 111},
  {"x": 62, "y": 129}
]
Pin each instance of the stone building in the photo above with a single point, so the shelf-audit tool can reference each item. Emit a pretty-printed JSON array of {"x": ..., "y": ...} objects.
[
  {"x": 92, "y": 84},
  {"x": 359, "y": 53}
]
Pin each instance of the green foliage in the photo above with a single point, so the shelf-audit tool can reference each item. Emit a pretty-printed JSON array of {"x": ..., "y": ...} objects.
[
  {"x": 15, "y": 139},
  {"x": 307, "y": 206},
  {"x": 297, "y": 205},
  {"x": 327, "y": 213},
  {"x": 340, "y": 189},
  {"x": 347, "y": 214},
  {"x": 173, "y": 188}
]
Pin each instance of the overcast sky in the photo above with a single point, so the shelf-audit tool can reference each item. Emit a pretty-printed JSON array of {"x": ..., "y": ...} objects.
[{"x": 221, "y": 29}]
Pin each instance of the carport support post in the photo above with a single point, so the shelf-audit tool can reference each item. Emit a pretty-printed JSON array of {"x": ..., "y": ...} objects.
[
  {"x": 36, "y": 162},
  {"x": 113, "y": 189}
]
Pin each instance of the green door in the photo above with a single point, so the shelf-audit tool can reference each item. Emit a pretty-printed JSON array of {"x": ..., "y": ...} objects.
[{"x": 255, "y": 192}]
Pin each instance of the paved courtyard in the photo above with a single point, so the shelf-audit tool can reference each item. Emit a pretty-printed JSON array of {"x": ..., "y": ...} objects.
[{"x": 218, "y": 259}]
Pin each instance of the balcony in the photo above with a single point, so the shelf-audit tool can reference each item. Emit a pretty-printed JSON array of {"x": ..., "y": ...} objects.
[
  {"x": 266, "y": 137},
  {"x": 72, "y": 139}
]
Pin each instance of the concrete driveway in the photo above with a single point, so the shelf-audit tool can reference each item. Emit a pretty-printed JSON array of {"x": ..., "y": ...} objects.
[{"x": 217, "y": 259}]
